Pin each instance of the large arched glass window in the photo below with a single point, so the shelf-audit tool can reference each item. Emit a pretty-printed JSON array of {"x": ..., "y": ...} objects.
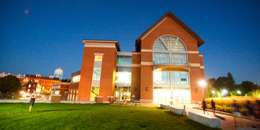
[{"x": 169, "y": 50}]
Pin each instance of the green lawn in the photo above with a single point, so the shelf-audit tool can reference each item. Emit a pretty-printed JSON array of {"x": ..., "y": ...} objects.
[{"x": 91, "y": 116}]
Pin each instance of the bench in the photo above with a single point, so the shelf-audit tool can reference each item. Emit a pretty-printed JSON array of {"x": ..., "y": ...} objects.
[
  {"x": 178, "y": 111},
  {"x": 165, "y": 106},
  {"x": 207, "y": 120},
  {"x": 136, "y": 102}
]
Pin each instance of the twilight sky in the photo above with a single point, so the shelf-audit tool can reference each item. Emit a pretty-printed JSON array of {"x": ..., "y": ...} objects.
[{"x": 39, "y": 36}]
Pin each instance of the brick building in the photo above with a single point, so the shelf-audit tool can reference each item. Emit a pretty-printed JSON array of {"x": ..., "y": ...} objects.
[{"x": 165, "y": 64}]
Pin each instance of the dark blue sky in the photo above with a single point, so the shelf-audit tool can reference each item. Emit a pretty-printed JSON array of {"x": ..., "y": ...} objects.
[{"x": 37, "y": 37}]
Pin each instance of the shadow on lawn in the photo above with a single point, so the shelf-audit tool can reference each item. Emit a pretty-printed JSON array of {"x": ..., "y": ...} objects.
[{"x": 60, "y": 110}]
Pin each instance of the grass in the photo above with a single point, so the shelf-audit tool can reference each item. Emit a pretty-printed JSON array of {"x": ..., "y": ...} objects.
[{"x": 91, "y": 116}]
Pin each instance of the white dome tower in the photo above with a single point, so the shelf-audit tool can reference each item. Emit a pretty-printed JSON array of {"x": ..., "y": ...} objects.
[{"x": 58, "y": 73}]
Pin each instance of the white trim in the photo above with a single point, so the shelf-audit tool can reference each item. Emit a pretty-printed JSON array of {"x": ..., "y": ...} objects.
[
  {"x": 201, "y": 67},
  {"x": 195, "y": 64},
  {"x": 194, "y": 52},
  {"x": 146, "y": 63},
  {"x": 136, "y": 65},
  {"x": 200, "y": 55},
  {"x": 124, "y": 65},
  {"x": 125, "y": 53},
  {"x": 138, "y": 53},
  {"x": 99, "y": 54},
  {"x": 100, "y": 41},
  {"x": 153, "y": 29},
  {"x": 100, "y": 45},
  {"x": 146, "y": 50}
]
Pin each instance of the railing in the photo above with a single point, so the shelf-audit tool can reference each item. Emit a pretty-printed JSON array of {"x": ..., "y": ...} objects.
[{"x": 171, "y": 61}]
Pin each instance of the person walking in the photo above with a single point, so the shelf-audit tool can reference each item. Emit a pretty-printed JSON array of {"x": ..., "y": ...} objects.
[
  {"x": 32, "y": 100},
  {"x": 236, "y": 112},
  {"x": 204, "y": 105},
  {"x": 257, "y": 108},
  {"x": 213, "y": 107},
  {"x": 251, "y": 113}
]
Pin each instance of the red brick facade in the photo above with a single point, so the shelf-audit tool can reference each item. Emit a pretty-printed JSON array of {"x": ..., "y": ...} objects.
[{"x": 142, "y": 83}]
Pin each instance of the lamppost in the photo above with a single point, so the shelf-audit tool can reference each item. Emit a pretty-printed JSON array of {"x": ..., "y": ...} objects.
[
  {"x": 213, "y": 93},
  {"x": 239, "y": 92},
  {"x": 224, "y": 92},
  {"x": 203, "y": 84}
]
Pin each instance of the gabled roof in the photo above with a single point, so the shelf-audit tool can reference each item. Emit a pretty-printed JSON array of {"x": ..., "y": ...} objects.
[{"x": 176, "y": 20}]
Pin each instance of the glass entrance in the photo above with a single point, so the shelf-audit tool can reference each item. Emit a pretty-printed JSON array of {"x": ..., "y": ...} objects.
[
  {"x": 121, "y": 92},
  {"x": 161, "y": 96},
  {"x": 180, "y": 98}
]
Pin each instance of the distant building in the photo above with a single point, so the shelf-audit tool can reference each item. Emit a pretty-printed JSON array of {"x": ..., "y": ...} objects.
[
  {"x": 39, "y": 83},
  {"x": 68, "y": 89}
]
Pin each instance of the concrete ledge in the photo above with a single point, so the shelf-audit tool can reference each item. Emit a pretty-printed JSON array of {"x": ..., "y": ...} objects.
[
  {"x": 207, "y": 120},
  {"x": 78, "y": 102},
  {"x": 178, "y": 111},
  {"x": 165, "y": 106}
]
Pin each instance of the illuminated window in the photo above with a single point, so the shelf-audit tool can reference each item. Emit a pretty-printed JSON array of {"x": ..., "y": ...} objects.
[
  {"x": 169, "y": 50},
  {"x": 76, "y": 78},
  {"x": 161, "y": 77},
  {"x": 180, "y": 77},
  {"x": 28, "y": 90},
  {"x": 123, "y": 77},
  {"x": 57, "y": 92},
  {"x": 29, "y": 85},
  {"x": 98, "y": 57},
  {"x": 124, "y": 59},
  {"x": 96, "y": 73},
  {"x": 94, "y": 93}
]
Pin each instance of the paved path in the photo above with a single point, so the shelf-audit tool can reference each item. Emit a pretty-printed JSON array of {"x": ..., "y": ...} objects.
[{"x": 226, "y": 120}]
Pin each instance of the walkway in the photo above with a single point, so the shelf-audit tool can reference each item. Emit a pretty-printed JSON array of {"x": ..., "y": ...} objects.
[{"x": 226, "y": 118}]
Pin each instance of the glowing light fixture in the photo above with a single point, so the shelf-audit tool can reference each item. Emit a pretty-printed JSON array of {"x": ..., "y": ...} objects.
[
  {"x": 213, "y": 91},
  {"x": 238, "y": 92}
]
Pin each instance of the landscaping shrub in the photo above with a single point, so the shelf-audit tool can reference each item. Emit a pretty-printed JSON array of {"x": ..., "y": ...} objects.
[{"x": 225, "y": 104}]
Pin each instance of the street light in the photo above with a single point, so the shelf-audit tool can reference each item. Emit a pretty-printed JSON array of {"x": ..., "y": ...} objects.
[
  {"x": 238, "y": 92},
  {"x": 203, "y": 84},
  {"x": 224, "y": 92}
]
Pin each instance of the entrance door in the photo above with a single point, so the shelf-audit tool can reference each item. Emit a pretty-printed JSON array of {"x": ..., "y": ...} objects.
[
  {"x": 161, "y": 96},
  {"x": 120, "y": 95},
  {"x": 180, "y": 98}
]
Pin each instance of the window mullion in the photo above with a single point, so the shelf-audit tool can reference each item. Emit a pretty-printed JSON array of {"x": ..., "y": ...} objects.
[
  {"x": 175, "y": 42},
  {"x": 164, "y": 43}
]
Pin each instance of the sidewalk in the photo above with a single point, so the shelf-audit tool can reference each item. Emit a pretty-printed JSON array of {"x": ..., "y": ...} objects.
[{"x": 227, "y": 119}]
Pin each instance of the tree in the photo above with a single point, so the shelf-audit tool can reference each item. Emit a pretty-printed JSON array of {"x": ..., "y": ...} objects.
[
  {"x": 233, "y": 93},
  {"x": 10, "y": 84},
  {"x": 225, "y": 83},
  {"x": 211, "y": 91},
  {"x": 248, "y": 86}
]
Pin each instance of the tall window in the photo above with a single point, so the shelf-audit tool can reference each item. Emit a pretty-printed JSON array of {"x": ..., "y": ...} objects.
[
  {"x": 96, "y": 73},
  {"x": 169, "y": 50},
  {"x": 123, "y": 74},
  {"x": 98, "y": 57}
]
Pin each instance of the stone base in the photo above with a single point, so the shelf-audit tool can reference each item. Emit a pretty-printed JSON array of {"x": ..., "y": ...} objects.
[
  {"x": 55, "y": 98},
  {"x": 165, "y": 106},
  {"x": 178, "y": 111},
  {"x": 99, "y": 99},
  {"x": 207, "y": 120}
]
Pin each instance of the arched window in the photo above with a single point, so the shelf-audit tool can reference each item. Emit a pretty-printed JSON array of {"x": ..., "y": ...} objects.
[{"x": 169, "y": 50}]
